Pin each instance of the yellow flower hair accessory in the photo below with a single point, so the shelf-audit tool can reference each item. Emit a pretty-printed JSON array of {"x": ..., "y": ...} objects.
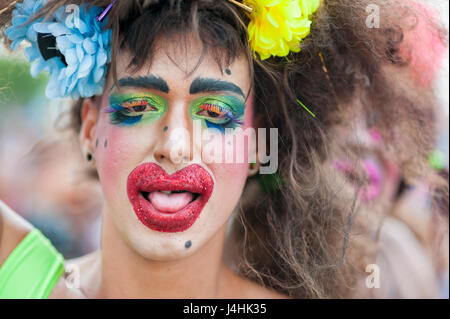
[{"x": 278, "y": 26}]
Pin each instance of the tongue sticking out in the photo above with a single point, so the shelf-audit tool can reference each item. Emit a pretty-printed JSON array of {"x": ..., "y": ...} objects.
[{"x": 170, "y": 203}]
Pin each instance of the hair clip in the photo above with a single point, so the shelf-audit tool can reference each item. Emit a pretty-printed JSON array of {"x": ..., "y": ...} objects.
[
  {"x": 8, "y": 6},
  {"x": 241, "y": 5},
  {"x": 300, "y": 102},
  {"x": 102, "y": 15},
  {"x": 330, "y": 84}
]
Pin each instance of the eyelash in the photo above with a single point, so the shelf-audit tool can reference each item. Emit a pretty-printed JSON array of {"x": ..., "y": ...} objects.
[
  {"x": 120, "y": 113},
  {"x": 220, "y": 111},
  {"x": 134, "y": 105}
]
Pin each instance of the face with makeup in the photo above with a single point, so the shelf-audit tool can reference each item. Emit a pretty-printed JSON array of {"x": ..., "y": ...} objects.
[
  {"x": 160, "y": 196},
  {"x": 375, "y": 167}
]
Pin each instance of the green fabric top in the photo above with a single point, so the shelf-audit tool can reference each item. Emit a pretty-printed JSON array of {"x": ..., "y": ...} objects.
[{"x": 32, "y": 269}]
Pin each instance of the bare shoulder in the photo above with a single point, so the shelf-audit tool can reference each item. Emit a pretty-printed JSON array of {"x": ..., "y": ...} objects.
[{"x": 13, "y": 228}]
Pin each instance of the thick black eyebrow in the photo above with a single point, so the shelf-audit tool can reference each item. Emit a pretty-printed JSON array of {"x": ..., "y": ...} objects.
[
  {"x": 146, "y": 82},
  {"x": 212, "y": 85}
]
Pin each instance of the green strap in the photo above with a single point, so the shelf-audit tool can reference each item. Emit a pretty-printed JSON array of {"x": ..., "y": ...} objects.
[{"x": 32, "y": 269}]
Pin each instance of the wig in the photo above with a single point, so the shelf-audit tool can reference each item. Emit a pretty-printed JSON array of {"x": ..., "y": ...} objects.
[{"x": 299, "y": 231}]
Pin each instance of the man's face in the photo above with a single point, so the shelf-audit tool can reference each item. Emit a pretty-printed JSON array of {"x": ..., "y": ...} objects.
[{"x": 164, "y": 197}]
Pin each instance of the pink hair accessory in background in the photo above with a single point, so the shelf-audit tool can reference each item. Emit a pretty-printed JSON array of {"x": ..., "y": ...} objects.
[
  {"x": 372, "y": 188},
  {"x": 423, "y": 46}
]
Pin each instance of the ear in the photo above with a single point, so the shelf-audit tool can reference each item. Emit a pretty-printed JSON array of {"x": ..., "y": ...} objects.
[
  {"x": 89, "y": 113},
  {"x": 253, "y": 168}
]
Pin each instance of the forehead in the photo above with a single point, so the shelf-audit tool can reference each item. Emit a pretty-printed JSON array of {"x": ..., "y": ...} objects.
[{"x": 179, "y": 61}]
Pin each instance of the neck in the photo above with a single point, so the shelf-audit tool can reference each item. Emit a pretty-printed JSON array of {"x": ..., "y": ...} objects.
[{"x": 126, "y": 274}]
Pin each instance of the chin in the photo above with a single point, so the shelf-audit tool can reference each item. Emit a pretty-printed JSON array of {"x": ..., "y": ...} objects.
[{"x": 159, "y": 246}]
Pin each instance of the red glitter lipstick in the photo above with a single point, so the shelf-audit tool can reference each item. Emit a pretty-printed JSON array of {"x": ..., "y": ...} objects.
[{"x": 149, "y": 178}]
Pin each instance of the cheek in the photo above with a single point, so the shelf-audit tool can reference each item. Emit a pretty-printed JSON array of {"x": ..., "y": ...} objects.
[
  {"x": 229, "y": 179},
  {"x": 232, "y": 175},
  {"x": 115, "y": 154},
  {"x": 243, "y": 145}
]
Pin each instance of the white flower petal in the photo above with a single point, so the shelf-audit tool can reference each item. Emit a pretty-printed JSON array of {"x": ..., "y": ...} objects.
[
  {"x": 14, "y": 33},
  {"x": 70, "y": 70},
  {"x": 71, "y": 57},
  {"x": 89, "y": 46},
  {"x": 85, "y": 66},
  {"x": 62, "y": 75},
  {"x": 63, "y": 43},
  {"x": 75, "y": 38},
  {"x": 101, "y": 57},
  {"x": 41, "y": 27},
  {"x": 83, "y": 27},
  {"x": 15, "y": 44},
  {"x": 19, "y": 20},
  {"x": 80, "y": 53},
  {"x": 98, "y": 75},
  {"x": 32, "y": 53},
  {"x": 31, "y": 35},
  {"x": 58, "y": 29},
  {"x": 37, "y": 67}
]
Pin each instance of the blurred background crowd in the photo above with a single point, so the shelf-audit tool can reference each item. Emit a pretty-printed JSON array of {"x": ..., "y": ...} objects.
[
  {"x": 42, "y": 174},
  {"x": 43, "y": 178}
]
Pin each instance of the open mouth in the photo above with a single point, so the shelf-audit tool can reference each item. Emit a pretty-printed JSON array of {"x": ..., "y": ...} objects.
[{"x": 168, "y": 203}]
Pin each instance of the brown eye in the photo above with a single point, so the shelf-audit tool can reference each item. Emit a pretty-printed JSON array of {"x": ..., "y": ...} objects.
[
  {"x": 212, "y": 111},
  {"x": 142, "y": 108},
  {"x": 139, "y": 108},
  {"x": 213, "y": 114}
]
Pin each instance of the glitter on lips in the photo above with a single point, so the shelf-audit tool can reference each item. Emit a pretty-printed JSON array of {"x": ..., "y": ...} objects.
[{"x": 168, "y": 203}]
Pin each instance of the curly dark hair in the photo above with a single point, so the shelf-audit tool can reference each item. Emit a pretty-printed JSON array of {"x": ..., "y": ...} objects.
[{"x": 296, "y": 234}]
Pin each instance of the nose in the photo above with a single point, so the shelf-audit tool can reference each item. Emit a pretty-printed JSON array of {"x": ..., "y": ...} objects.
[{"x": 173, "y": 149}]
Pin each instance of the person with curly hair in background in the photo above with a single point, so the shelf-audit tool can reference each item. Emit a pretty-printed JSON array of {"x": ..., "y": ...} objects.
[{"x": 177, "y": 225}]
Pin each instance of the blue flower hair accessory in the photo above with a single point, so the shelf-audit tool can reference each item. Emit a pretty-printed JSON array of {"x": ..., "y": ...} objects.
[{"x": 74, "y": 49}]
